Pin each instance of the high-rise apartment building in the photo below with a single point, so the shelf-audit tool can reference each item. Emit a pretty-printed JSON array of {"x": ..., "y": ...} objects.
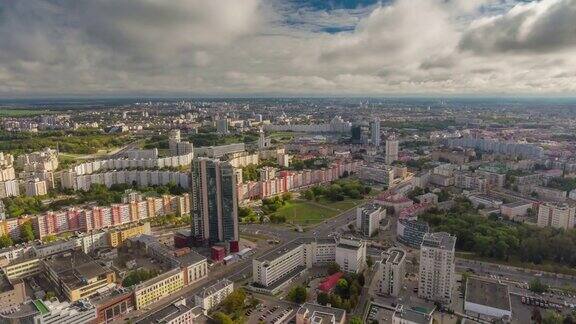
[
  {"x": 214, "y": 203},
  {"x": 556, "y": 215},
  {"x": 222, "y": 126},
  {"x": 392, "y": 271},
  {"x": 375, "y": 131},
  {"x": 391, "y": 149},
  {"x": 437, "y": 267}
]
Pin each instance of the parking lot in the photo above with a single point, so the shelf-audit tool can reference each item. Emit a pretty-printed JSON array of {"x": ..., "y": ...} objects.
[{"x": 272, "y": 312}]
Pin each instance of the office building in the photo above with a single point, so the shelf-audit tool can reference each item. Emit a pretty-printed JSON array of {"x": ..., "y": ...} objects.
[
  {"x": 391, "y": 149},
  {"x": 437, "y": 267},
  {"x": 556, "y": 215},
  {"x": 215, "y": 206},
  {"x": 392, "y": 271},
  {"x": 368, "y": 218},
  {"x": 375, "y": 172},
  {"x": 375, "y": 132}
]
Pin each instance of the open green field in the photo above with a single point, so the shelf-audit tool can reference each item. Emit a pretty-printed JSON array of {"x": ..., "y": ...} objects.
[
  {"x": 303, "y": 212},
  {"x": 4, "y": 112}
]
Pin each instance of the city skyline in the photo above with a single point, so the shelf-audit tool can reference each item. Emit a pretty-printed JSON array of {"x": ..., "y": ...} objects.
[{"x": 291, "y": 48}]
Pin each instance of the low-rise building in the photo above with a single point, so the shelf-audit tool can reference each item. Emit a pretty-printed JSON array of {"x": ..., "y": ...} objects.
[
  {"x": 210, "y": 297},
  {"x": 516, "y": 210},
  {"x": 409, "y": 315},
  {"x": 487, "y": 300},
  {"x": 12, "y": 293},
  {"x": 76, "y": 275},
  {"x": 310, "y": 313},
  {"x": 177, "y": 313}
]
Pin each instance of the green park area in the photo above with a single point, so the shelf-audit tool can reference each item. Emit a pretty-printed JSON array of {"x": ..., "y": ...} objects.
[{"x": 317, "y": 203}]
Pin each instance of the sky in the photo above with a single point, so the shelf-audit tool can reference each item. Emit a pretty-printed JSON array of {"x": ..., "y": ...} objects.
[{"x": 287, "y": 47}]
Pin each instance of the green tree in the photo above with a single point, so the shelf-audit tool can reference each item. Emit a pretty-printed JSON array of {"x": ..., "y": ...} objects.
[
  {"x": 298, "y": 294},
  {"x": 235, "y": 301},
  {"x": 333, "y": 267},
  {"x": 26, "y": 231},
  {"x": 538, "y": 286},
  {"x": 322, "y": 298},
  {"x": 356, "y": 320},
  {"x": 342, "y": 288},
  {"x": 5, "y": 241},
  {"x": 221, "y": 318},
  {"x": 49, "y": 295},
  {"x": 552, "y": 317}
]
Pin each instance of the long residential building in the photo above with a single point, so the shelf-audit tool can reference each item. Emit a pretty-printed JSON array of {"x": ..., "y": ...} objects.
[
  {"x": 286, "y": 181},
  {"x": 98, "y": 217},
  {"x": 273, "y": 271}
]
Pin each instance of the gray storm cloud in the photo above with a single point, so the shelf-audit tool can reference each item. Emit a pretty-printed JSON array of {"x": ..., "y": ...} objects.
[{"x": 52, "y": 47}]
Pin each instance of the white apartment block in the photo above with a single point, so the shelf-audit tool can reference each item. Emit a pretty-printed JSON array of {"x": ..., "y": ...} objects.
[
  {"x": 437, "y": 267},
  {"x": 9, "y": 188},
  {"x": 274, "y": 270},
  {"x": 212, "y": 296},
  {"x": 351, "y": 255},
  {"x": 392, "y": 271},
  {"x": 556, "y": 215},
  {"x": 36, "y": 187},
  {"x": 368, "y": 218}
]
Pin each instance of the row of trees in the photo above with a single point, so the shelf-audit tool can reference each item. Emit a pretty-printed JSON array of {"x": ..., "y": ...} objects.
[
  {"x": 338, "y": 191},
  {"x": 76, "y": 142},
  {"x": 503, "y": 240}
]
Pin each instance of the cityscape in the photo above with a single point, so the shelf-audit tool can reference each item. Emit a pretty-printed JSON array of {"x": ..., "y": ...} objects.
[{"x": 288, "y": 162}]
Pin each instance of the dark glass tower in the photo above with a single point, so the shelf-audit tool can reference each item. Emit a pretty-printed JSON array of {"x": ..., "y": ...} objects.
[{"x": 214, "y": 202}]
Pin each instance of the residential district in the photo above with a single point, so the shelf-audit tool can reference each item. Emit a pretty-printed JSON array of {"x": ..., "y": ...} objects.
[{"x": 306, "y": 211}]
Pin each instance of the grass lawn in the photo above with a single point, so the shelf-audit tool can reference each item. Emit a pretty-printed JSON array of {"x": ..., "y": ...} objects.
[{"x": 305, "y": 212}]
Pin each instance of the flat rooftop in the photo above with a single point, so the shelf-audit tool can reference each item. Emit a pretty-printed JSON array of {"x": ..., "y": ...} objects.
[
  {"x": 322, "y": 312},
  {"x": 74, "y": 268},
  {"x": 488, "y": 293},
  {"x": 171, "y": 312},
  {"x": 440, "y": 240},
  {"x": 395, "y": 255},
  {"x": 289, "y": 246}
]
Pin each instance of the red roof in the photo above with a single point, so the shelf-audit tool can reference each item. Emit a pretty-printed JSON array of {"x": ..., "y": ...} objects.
[{"x": 330, "y": 282}]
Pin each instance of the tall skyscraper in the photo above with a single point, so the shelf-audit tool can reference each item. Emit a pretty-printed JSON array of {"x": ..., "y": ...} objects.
[
  {"x": 214, "y": 203},
  {"x": 437, "y": 267},
  {"x": 375, "y": 131},
  {"x": 391, "y": 149}
]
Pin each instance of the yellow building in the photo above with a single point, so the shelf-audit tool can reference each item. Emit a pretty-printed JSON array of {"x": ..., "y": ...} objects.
[
  {"x": 158, "y": 288},
  {"x": 117, "y": 236},
  {"x": 77, "y": 275},
  {"x": 22, "y": 268}
]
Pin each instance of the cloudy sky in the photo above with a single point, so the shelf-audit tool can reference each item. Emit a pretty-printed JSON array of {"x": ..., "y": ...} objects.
[{"x": 287, "y": 47}]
